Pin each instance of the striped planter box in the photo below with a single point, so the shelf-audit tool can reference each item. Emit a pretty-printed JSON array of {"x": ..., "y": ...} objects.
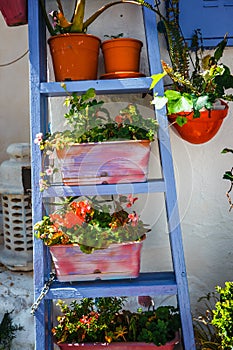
[
  {"x": 115, "y": 262},
  {"x": 121, "y": 346},
  {"x": 105, "y": 162}
]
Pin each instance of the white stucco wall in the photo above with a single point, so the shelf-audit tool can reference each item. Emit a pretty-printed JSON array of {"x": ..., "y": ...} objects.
[
  {"x": 206, "y": 222},
  {"x": 14, "y": 78}
]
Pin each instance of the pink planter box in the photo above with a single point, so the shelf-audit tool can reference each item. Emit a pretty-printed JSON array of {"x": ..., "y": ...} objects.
[
  {"x": 105, "y": 162},
  {"x": 121, "y": 346},
  {"x": 115, "y": 262},
  {"x": 15, "y": 12}
]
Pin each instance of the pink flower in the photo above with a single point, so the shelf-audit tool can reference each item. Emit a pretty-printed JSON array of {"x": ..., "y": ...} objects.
[
  {"x": 49, "y": 171},
  {"x": 133, "y": 218},
  {"x": 38, "y": 139},
  {"x": 131, "y": 200}
]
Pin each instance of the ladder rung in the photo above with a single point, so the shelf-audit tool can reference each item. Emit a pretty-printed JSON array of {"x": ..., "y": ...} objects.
[
  {"x": 151, "y": 186},
  {"x": 158, "y": 283},
  {"x": 109, "y": 86}
]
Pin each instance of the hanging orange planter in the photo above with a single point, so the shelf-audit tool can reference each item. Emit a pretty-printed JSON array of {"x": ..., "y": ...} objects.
[
  {"x": 202, "y": 129},
  {"x": 121, "y": 56},
  {"x": 15, "y": 12},
  {"x": 74, "y": 56}
]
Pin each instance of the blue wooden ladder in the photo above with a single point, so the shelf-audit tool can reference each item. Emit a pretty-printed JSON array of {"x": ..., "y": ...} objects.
[{"x": 157, "y": 283}]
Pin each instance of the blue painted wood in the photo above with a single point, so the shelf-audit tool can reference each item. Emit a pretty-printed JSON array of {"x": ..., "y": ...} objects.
[
  {"x": 152, "y": 284},
  {"x": 110, "y": 86},
  {"x": 151, "y": 186},
  {"x": 173, "y": 218},
  {"x": 204, "y": 14},
  {"x": 160, "y": 283},
  {"x": 38, "y": 107}
]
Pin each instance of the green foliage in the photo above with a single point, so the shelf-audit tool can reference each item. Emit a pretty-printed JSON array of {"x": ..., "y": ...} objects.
[
  {"x": 198, "y": 87},
  {"x": 8, "y": 331},
  {"x": 206, "y": 334},
  {"x": 105, "y": 320},
  {"x": 223, "y": 315},
  {"x": 78, "y": 24},
  {"x": 89, "y": 121},
  {"x": 92, "y": 224}
]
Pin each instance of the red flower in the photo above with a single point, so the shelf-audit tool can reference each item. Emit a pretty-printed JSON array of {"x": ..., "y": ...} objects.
[
  {"x": 71, "y": 219},
  {"x": 119, "y": 119}
]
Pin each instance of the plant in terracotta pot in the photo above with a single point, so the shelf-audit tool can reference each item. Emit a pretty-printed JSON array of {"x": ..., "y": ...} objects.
[
  {"x": 94, "y": 238},
  {"x": 121, "y": 57},
  {"x": 95, "y": 148},
  {"x": 195, "y": 103},
  {"x": 69, "y": 65},
  {"x": 97, "y": 323}
]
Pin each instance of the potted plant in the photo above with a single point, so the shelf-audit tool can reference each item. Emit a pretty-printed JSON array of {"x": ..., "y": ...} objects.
[
  {"x": 102, "y": 322},
  {"x": 93, "y": 238},
  {"x": 15, "y": 12},
  {"x": 121, "y": 57},
  {"x": 195, "y": 103},
  {"x": 95, "y": 148},
  {"x": 69, "y": 39},
  {"x": 206, "y": 334}
]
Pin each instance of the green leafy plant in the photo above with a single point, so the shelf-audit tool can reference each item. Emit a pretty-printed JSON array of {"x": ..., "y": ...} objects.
[
  {"x": 116, "y": 36},
  {"x": 105, "y": 320},
  {"x": 195, "y": 84},
  {"x": 88, "y": 121},
  {"x": 223, "y": 315},
  {"x": 77, "y": 24},
  {"x": 206, "y": 334},
  {"x": 8, "y": 331},
  {"x": 92, "y": 224}
]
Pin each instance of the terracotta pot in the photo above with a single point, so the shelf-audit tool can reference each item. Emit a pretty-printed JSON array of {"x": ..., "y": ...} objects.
[
  {"x": 105, "y": 162},
  {"x": 121, "y": 55},
  {"x": 122, "y": 346},
  {"x": 74, "y": 56},
  {"x": 202, "y": 129},
  {"x": 15, "y": 12},
  {"x": 115, "y": 262}
]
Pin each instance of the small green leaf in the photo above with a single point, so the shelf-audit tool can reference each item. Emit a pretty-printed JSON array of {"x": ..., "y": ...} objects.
[
  {"x": 181, "y": 120},
  {"x": 228, "y": 176},
  {"x": 156, "y": 78},
  {"x": 227, "y": 150}
]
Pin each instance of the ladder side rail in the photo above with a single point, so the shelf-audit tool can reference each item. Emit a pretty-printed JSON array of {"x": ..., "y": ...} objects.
[
  {"x": 172, "y": 210},
  {"x": 38, "y": 106}
]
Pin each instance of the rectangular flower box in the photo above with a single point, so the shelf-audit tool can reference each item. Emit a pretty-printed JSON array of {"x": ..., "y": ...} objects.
[
  {"x": 15, "y": 12},
  {"x": 115, "y": 262},
  {"x": 105, "y": 162},
  {"x": 121, "y": 346}
]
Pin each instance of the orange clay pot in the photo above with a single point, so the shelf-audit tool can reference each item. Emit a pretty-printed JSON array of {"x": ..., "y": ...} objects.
[
  {"x": 74, "y": 56},
  {"x": 202, "y": 129},
  {"x": 121, "y": 55}
]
